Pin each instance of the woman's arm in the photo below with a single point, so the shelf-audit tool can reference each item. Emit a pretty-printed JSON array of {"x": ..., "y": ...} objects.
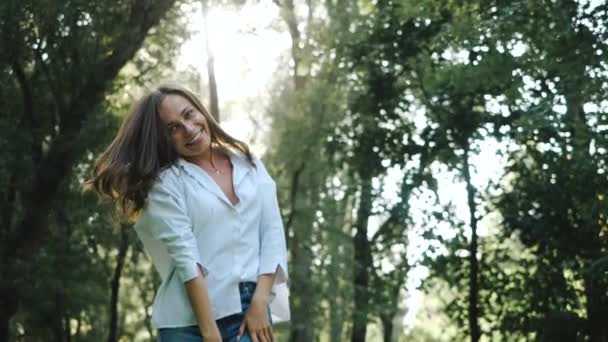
[
  {"x": 165, "y": 220},
  {"x": 263, "y": 289},
  {"x": 198, "y": 294},
  {"x": 257, "y": 321},
  {"x": 273, "y": 260},
  {"x": 273, "y": 249}
]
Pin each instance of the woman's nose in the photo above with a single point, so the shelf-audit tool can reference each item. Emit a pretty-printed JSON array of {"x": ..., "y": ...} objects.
[{"x": 190, "y": 128}]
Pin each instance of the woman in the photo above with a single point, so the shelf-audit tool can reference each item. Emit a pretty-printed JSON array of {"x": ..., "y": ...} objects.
[{"x": 207, "y": 215}]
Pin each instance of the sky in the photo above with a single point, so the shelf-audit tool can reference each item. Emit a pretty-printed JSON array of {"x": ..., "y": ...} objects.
[{"x": 249, "y": 46}]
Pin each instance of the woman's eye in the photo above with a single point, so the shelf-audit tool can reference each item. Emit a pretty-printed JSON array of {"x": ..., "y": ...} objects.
[{"x": 188, "y": 113}]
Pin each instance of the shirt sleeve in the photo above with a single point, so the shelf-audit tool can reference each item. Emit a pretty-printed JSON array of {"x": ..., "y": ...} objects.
[
  {"x": 273, "y": 250},
  {"x": 165, "y": 220}
]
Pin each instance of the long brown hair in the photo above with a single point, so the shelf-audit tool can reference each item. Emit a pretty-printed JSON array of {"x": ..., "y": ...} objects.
[{"x": 128, "y": 168}]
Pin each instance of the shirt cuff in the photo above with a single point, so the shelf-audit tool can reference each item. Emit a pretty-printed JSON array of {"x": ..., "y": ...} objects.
[
  {"x": 189, "y": 271},
  {"x": 278, "y": 268}
]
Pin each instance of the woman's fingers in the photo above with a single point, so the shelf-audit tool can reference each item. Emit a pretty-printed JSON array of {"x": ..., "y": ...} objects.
[
  {"x": 258, "y": 327},
  {"x": 267, "y": 334},
  {"x": 262, "y": 335},
  {"x": 242, "y": 329}
]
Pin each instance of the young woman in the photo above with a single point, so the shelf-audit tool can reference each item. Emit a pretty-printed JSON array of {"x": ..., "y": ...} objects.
[{"x": 206, "y": 212}]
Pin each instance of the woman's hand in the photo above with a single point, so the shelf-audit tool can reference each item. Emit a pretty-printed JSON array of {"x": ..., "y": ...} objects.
[{"x": 257, "y": 322}]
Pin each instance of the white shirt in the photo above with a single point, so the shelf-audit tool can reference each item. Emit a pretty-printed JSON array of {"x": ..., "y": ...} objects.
[{"x": 188, "y": 221}]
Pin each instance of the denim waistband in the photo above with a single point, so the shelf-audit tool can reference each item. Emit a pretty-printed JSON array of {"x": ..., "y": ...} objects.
[{"x": 247, "y": 287}]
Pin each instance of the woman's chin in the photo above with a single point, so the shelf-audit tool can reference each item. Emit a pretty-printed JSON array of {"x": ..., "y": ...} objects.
[{"x": 194, "y": 151}]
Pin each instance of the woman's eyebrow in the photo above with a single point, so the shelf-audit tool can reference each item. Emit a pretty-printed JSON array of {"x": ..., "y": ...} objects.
[
  {"x": 186, "y": 108},
  {"x": 182, "y": 113}
]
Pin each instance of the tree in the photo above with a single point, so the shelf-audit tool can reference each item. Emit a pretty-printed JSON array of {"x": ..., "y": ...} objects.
[
  {"x": 376, "y": 52},
  {"x": 213, "y": 100},
  {"x": 554, "y": 200},
  {"x": 552, "y": 53},
  {"x": 61, "y": 61},
  {"x": 303, "y": 166}
]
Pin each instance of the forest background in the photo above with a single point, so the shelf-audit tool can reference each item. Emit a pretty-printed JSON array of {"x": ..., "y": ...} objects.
[{"x": 441, "y": 164}]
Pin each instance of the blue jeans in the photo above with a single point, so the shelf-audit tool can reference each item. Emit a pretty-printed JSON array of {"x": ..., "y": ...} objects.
[{"x": 228, "y": 326}]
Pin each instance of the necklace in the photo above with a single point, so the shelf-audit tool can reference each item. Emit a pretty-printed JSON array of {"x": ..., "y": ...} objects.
[
  {"x": 212, "y": 169},
  {"x": 215, "y": 169}
]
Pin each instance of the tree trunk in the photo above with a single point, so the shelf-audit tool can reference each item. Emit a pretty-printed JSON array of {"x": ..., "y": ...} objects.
[
  {"x": 147, "y": 304},
  {"x": 597, "y": 312},
  {"x": 213, "y": 99},
  {"x": 304, "y": 303},
  {"x": 596, "y": 304},
  {"x": 338, "y": 274},
  {"x": 78, "y": 326},
  {"x": 66, "y": 329},
  {"x": 288, "y": 14},
  {"x": 473, "y": 262},
  {"x": 336, "y": 319},
  {"x": 595, "y": 291},
  {"x": 115, "y": 285},
  {"x": 387, "y": 328},
  {"x": 363, "y": 261},
  {"x": 303, "y": 308},
  {"x": 56, "y": 317},
  {"x": 390, "y": 308},
  {"x": 8, "y": 308}
]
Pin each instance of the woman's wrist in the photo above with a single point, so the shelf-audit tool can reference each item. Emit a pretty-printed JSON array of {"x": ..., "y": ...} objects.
[
  {"x": 263, "y": 289},
  {"x": 261, "y": 297},
  {"x": 209, "y": 330}
]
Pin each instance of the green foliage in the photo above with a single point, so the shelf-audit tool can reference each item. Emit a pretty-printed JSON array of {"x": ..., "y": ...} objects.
[
  {"x": 386, "y": 96},
  {"x": 549, "y": 199},
  {"x": 62, "y": 96}
]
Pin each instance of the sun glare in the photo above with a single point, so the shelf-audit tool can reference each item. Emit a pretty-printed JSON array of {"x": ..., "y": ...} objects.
[{"x": 247, "y": 44}]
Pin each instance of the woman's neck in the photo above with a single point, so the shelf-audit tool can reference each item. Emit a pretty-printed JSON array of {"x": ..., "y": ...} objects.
[{"x": 211, "y": 158}]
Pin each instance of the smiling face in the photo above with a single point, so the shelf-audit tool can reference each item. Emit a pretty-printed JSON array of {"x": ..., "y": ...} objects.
[{"x": 187, "y": 127}]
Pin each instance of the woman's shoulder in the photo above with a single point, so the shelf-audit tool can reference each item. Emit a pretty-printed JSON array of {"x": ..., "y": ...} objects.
[
  {"x": 255, "y": 164},
  {"x": 165, "y": 189},
  {"x": 171, "y": 171},
  {"x": 168, "y": 178},
  {"x": 241, "y": 158},
  {"x": 262, "y": 172}
]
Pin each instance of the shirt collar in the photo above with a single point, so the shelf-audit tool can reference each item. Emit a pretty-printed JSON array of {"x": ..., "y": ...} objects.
[{"x": 240, "y": 168}]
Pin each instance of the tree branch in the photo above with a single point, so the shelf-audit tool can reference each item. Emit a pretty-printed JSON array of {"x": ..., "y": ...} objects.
[
  {"x": 50, "y": 81},
  {"x": 295, "y": 182},
  {"x": 427, "y": 98},
  {"x": 28, "y": 121},
  {"x": 55, "y": 166}
]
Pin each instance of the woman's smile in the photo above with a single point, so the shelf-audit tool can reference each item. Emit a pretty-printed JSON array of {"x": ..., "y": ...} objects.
[{"x": 198, "y": 137}]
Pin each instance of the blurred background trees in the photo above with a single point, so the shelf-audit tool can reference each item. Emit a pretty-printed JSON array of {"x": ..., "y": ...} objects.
[{"x": 441, "y": 165}]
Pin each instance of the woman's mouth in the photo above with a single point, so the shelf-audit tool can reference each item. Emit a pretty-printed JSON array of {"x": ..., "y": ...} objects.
[{"x": 196, "y": 138}]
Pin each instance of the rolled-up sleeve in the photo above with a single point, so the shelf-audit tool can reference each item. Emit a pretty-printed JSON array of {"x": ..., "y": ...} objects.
[
  {"x": 273, "y": 250},
  {"x": 165, "y": 220}
]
